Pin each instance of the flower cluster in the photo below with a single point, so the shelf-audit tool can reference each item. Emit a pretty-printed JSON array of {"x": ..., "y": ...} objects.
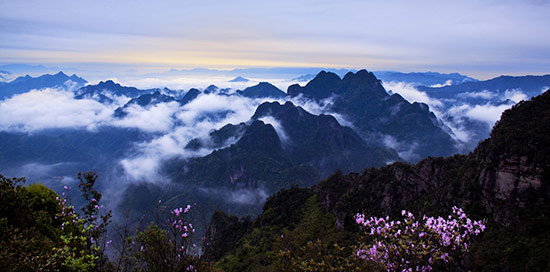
[
  {"x": 168, "y": 244},
  {"x": 416, "y": 245},
  {"x": 180, "y": 230}
]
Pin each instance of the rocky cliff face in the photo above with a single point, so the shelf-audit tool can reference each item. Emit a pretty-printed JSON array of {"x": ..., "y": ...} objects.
[
  {"x": 410, "y": 129},
  {"x": 223, "y": 234},
  {"x": 515, "y": 161},
  {"x": 507, "y": 171},
  {"x": 506, "y": 180}
]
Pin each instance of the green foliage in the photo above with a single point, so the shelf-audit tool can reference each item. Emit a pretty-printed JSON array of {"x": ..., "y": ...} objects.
[
  {"x": 290, "y": 220},
  {"x": 75, "y": 252},
  {"x": 28, "y": 226},
  {"x": 154, "y": 249},
  {"x": 223, "y": 234},
  {"x": 40, "y": 231},
  {"x": 165, "y": 247},
  {"x": 318, "y": 256}
]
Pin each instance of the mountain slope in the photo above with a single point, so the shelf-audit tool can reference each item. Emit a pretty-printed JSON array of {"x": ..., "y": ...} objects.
[
  {"x": 239, "y": 177},
  {"x": 239, "y": 79},
  {"x": 145, "y": 100},
  {"x": 281, "y": 145},
  {"x": 505, "y": 180},
  {"x": 321, "y": 141},
  {"x": 27, "y": 83},
  {"x": 104, "y": 91},
  {"x": 424, "y": 79},
  {"x": 189, "y": 96},
  {"x": 262, "y": 90},
  {"x": 411, "y": 129},
  {"x": 49, "y": 155},
  {"x": 531, "y": 85}
]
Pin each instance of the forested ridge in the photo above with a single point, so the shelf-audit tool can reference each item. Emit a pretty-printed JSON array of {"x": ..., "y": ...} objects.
[{"x": 498, "y": 194}]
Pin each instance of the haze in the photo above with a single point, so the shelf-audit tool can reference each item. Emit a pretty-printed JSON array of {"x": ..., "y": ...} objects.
[{"x": 482, "y": 39}]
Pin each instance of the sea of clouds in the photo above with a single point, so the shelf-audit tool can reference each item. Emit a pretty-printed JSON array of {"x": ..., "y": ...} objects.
[{"x": 171, "y": 126}]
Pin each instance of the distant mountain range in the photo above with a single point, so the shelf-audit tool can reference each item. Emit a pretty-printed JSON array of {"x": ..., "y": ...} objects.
[
  {"x": 145, "y": 100},
  {"x": 416, "y": 78},
  {"x": 3, "y": 75},
  {"x": 281, "y": 72},
  {"x": 104, "y": 89},
  {"x": 27, "y": 68},
  {"x": 27, "y": 83},
  {"x": 424, "y": 79},
  {"x": 530, "y": 85}
]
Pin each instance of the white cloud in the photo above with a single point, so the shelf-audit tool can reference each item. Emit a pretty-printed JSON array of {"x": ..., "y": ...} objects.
[
  {"x": 515, "y": 95},
  {"x": 51, "y": 108},
  {"x": 194, "y": 120},
  {"x": 406, "y": 151},
  {"x": 277, "y": 126},
  {"x": 200, "y": 82},
  {"x": 255, "y": 196},
  {"x": 247, "y": 196},
  {"x": 459, "y": 132},
  {"x": 157, "y": 118},
  {"x": 143, "y": 168},
  {"x": 175, "y": 125},
  {"x": 485, "y": 94},
  {"x": 183, "y": 82},
  {"x": 487, "y": 113},
  {"x": 411, "y": 94},
  {"x": 318, "y": 107},
  {"x": 447, "y": 83}
]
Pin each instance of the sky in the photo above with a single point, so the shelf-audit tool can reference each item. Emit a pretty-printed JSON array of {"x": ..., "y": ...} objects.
[{"x": 482, "y": 39}]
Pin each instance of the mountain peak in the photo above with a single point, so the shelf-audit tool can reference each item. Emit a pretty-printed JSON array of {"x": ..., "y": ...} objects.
[
  {"x": 211, "y": 89},
  {"x": 190, "y": 95},
  {"x": 239, "y": 79},
  {"x": 288, "y": 109},
  {"x": 108, "y": 84},
  {"x": 261, "y": 137},
  {"x": 60, "y": 73},
  {"x": 25, "y": 83},
  {"x": 321, "y": 86},
  {"x": 363, "y": 77},
  {"x": 324, "y": 75},
  {"x": 262, "y": 90}
]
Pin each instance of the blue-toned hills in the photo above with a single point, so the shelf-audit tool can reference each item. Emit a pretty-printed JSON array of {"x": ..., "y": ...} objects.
[
  {"x": 26, "y": 83},
  {"x": 531, "y": 85},
  {"x": 262, "y": 90},
  {"x": 424, "y": 78},
  {"x": 239, "y": 79}
]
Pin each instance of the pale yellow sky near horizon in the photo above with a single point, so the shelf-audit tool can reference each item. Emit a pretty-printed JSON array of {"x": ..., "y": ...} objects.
[{"x": 482, "y": 39}]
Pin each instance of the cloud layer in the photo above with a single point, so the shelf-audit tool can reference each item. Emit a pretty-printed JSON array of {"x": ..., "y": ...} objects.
[
  {"x": 464, "y": 114},
  {"x": 51, "y": 108}
]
